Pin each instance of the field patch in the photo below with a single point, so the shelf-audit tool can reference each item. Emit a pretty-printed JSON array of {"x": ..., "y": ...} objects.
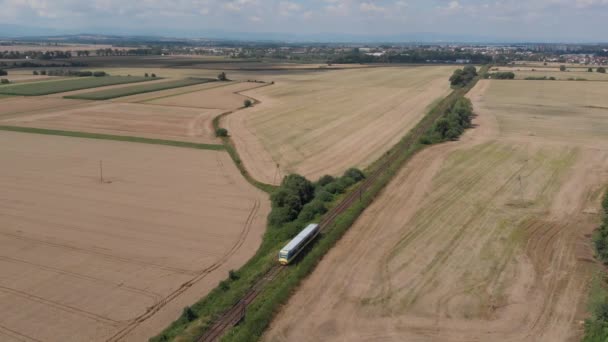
[
  {"x": 223, "y": 97},
  {"x": 324, "y": 122},
  {"x": 138, "y": 89},
  {"x": 53, "y": 87},
  {"x": 481, "y": 239},
  {"x": 129, "y": 119},
  {"x": 98, "y": 254}
]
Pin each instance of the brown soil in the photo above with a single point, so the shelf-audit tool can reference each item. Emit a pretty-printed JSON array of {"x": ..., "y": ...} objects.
[
  {"x": 486, "y": 239},
  {"x": 172, "y": 123},
  {"x": 85, "y": 260},
  {"x": 222, "y": 97}
]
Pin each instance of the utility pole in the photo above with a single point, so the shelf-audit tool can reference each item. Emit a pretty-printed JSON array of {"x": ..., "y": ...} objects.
[
  {"x": 100, "y": 172},
  {"x": 276, "y": 174}
]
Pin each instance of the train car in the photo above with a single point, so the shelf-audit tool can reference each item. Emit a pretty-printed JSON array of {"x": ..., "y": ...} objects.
[{"x": 297, "y": 244}]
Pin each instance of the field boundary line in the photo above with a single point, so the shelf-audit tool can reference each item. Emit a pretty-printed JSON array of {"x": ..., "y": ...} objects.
[
  {"x": 231, "y": 147},
  {"x": 222, "y": 84},
  {"x": 124, "y": 138}
]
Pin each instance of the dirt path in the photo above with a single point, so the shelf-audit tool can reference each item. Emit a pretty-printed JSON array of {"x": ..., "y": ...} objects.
[{"x": 478, "y": 240}]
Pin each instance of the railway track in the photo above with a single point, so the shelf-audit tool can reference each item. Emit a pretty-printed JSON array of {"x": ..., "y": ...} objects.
[{"x": 236, "y": 313}]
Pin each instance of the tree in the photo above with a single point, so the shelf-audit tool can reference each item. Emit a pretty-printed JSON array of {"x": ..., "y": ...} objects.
[
  {"x": 222, "y": 76},
  {"x": 562, "y": 68},
  {"x": 3, "y": 72},
  {"x": 146, "y": 75},
  {"x": 4, "y": 81},
  {"x": 34, "y": 72},
  {"x": 221, "y": 132},
  {"x": 590, "y": 70},
  {"x": 189, "y": 314},
  {"x": 153, "y": 75},
  {"x": 601, "y": 70},
  {"x": 247, "y": 103},
  {"x": 355, "y": 174}
]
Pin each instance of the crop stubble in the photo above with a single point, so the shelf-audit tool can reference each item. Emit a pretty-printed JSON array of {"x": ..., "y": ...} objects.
[
  {"x": 324, "y": 122},
  {"x": 82, "y": 259},
  {"x": 482, "y": 239}
]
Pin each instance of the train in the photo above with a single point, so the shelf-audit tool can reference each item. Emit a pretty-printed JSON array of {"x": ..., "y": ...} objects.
[{"x": 298, "y": 243}]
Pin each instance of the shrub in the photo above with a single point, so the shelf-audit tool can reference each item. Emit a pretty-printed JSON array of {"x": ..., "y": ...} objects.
[
  {"x": 146, "y": 75},
  {"x": 4, "y": 81},
  {"x": 153, "y": 75},
  {"x": 188, "y": 314},
  {"x": 355, "y": 174},
  {"x": 247, "y": 103},
  {"x": 43, "y": 72},
  {"x": 601, "y": 70},
  {"x": 323, "y": 195},
  {"x": 311, "y": 210},
  {"x": 224, "y": 286},
  {"x": 222, "y": 76},
  {"x": 233, "y": 275},
  {"x": 34, "y": 72},
  {"x": 502, "y": 75},
  {"x": 99, "y": 73},
  {"x": 323, "y": 181},
  {"x": 3, "y": 72},
  {"x": 590, "y": 70},
  {"x": 562, "y": 68},
  {"x": 221, "y": 132}
]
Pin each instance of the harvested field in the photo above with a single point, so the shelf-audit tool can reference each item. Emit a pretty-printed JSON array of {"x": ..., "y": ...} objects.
[
  {"x": 160, "y": 122},
  {"x": 140, "y": 98},
  {"x": 84, "y": 260},
  {"x": 60, "y": 86},
  {"x": 224, "y": 97},
  {"x": 323, "y": 123},
  {"x": 15, "y": 106},
  {"x": 486, "y": 239},
  {"x": 138, "y": 89},
  {"x": 572, "y": 73}
]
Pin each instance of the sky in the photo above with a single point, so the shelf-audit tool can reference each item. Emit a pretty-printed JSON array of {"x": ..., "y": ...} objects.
[{"x": 507, "y": 20}]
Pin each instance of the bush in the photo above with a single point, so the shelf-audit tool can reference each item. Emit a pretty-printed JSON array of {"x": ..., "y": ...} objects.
[
  {"x": 233, "y": 275},
  {"x": 601, "y": 70},
  {"x": 590, "y": 70},
  {"x": 323, "y": 181},
  {"x": 323, "y": 195},
  {"x": 562, "y": 68},
  {"x": 188, "y": 314},
  {"x": 43, "y": 72},
  {"x": 355, "y": 174},
  {"x": 34, "y": 72},
  {"x": 221, "y": 132},
  {"x": 247, "y": 103},
  {"x": 222, "y": 76},
  {"x": 224, "y": 286},
  {"x": 99, "y": 73},
  {"x": 153, "y": 75},
  {"x": 311, "y": 210},
  {"x": 502, "y": 75},
  {"x": 462, "y": 77},
  {"x": 146, "y": 75},
  {"x": 3, "y": 72},
  {"x": 4, "y": 81}
]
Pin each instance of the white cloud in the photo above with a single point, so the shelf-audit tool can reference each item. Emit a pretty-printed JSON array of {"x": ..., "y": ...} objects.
[
  {"x": 371, "y": 7},
  {"x": 286, "y": 8}
]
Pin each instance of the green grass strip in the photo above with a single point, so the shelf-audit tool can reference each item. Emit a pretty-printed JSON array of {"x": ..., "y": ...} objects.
[
  {"x": 138, "y": 89},
  {"x": 75, "y": 83},
  {"x": 99, "y": 136}
]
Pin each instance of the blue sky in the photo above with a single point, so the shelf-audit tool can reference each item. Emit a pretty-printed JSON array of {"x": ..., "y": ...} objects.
[{"x": 549, "y": 20}]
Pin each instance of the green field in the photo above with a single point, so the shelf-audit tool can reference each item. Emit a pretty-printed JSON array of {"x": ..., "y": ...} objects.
[
  {"x": 53, "y": 87},
  {"x": 138, "y": 89}
]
